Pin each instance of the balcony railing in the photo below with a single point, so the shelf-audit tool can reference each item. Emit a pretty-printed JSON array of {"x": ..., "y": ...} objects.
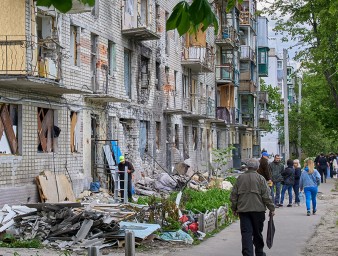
[
  {"x": 224, "y": 73},
  {"x": 263, "y": 97},
  {"x": 137, "y": 24},
  {"x": 227, "y": 38},
  {"x": 198, "y": 58},
  {"x": 247, "y": 53},
  {"x": 226, "y": 114},
  {"x": 21, "y": 55}
]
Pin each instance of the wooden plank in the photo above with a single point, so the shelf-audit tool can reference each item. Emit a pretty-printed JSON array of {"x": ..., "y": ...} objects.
[
  {"x": 47, "y": 126},
  {"x": 72, "y": 131},
  {"x": 2, "y": 129},
  {"x": 42, "y": 138},
  {"x": 65, "y": 189},
  {"x": 8, "y": 125},
  {"x": 48, "y": 187}
]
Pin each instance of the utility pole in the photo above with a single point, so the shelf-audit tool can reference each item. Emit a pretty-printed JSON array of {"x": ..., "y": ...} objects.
[
  {"x": 300, "y": 127},
  {"x": 286, "y": 106}
]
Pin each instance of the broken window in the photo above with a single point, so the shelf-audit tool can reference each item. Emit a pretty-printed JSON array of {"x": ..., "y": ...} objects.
[
  {"x": 75, "y": 128},
  {"x": 194, "y": 138},
  {"x": 127, "y": 72},
  {"x": 96, "y": 8},
  {"x": 48, "y": 132},
  {"x": 143, "y": 137},
  {"x": 158, "y": 135},
  {"x": 145, "y": 74},
  {"x": 9, "y": 122},
  {"x": 177, "y": 141},
  {"x": 185, "y": 142},
  {"x": 111, "y": 57},
  {"x": 185, "y": 82},
  {"x": 74, "y": 42},
  {"x": 93, "y": 61},
  {"x": 158, "y": 76},
  {"x": 167, "y": 42}
]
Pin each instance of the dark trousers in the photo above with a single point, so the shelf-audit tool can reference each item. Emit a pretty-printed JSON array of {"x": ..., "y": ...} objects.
[
  {"x": 251, "y": 229},
  {"x": 323, "y": 172},
  {"x": 296, "y": 190},
  {"x": 122, "y": 186}
]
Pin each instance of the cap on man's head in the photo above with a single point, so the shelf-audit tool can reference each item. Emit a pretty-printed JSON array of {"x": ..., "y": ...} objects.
[
  {"x": 121, "y": 158},
  {"x": 252, "y": 164},
  {"x": 265, "y": 154}
]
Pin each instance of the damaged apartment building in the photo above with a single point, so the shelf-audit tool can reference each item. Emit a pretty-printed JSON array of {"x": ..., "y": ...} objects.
[{"x": 71, "y": 84}]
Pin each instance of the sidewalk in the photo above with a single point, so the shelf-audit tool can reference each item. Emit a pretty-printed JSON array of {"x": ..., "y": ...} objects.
[{"x": 293, "y": 229}]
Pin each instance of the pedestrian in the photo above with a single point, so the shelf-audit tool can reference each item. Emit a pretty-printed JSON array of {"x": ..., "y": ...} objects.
[
  {"x": 298, "y": 171},
  {"x": 130, "y": 170},
  {"x": 322, "y": 165},
  {"x": 250, "y": 197},
  {"x": 263, "y": 168},
  {"x": 276, "y": 168},
  {"x": 309, "y": 181},
  {"x": 288, "y": 180},
  {"x": 335, "y": 167}
]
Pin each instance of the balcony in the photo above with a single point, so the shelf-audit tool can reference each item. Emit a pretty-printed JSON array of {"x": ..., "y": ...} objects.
[
  {"x": 247, "y": 87},
  {"x": 31, "y": 64},
  {"x": 228, "y": 115},
  {"x": 228, "y": 38},
  {"x": 224, "y": 73},
  {"x": 247, "y": 53},
  {"x": 263, "y": 97},
  {"x": 138, "y": 22},
  {"x": 247, "y": 19},
  {"x": 172, "y": 104},
  {"x": 198, "y": 59}
]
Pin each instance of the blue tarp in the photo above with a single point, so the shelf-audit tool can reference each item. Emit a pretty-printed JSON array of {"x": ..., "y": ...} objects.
[
  {"x": 141, "y": 230},
  {"x": 117, "y": 151}
]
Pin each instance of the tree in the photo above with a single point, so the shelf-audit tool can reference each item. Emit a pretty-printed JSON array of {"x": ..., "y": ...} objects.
[
  {"x": 274, "y": 106},
  {"x": 190, "y": 18},
  {"x": 314, "y": 25},
  {"x": 63, "y": 5}
]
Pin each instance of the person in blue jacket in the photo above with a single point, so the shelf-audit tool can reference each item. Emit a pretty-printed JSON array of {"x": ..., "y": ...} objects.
[{"x": 309, "y": 181}]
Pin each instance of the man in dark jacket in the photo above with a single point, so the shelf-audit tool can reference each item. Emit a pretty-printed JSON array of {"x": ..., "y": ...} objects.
[
  {"x": 129, "y": 168},
  {"x": 322, "y": 165},
  {"x": 263, "y": 168},
  {"x": 250, "y": 197},
  {"x": 288, "y": 180},
  {"x": 276, "y": 168}
]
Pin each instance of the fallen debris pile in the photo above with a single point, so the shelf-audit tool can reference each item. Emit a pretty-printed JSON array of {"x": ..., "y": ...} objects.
[{"x": 70, "y": 226}]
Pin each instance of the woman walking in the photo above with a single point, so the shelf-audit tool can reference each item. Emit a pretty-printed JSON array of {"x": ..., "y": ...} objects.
[
  {"x": 309, "y": 181},
  {"x": 298, "y": 171}
]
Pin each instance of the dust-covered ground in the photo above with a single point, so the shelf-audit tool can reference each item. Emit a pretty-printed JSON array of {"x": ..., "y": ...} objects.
[{"x": 324, "y": 241}]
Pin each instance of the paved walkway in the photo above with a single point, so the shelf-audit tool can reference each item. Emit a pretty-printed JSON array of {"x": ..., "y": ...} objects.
[{"x": 293, "y": 229}]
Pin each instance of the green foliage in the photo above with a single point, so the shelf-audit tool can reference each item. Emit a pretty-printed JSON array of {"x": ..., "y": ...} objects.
[
  {"x": 231, "y": 179},
  {"x": 189, "y": 18},
  {"x": 199, "y": 201},
  {"x": 9, "y": 241},
  {"x": 313, "y": 24},
  {"x": 220, "y": 157},
  {"x": 63, "y": 5}
]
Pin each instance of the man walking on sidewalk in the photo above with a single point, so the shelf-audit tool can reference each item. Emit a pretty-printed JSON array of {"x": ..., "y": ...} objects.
[
  {"x": 250, "y": 197},
  {"x": 276, "y": 168}
]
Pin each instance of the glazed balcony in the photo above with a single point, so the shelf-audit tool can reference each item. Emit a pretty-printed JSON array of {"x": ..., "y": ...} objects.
[
  {"x": 246, "y": 87},
  {"x": 247, "y": 53},
  {"x": 138, "y": 22},
  {"x": 224, "y": 73},
  {"x": 198, "y": 59},
  {"x": 32, "y": 64}
]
